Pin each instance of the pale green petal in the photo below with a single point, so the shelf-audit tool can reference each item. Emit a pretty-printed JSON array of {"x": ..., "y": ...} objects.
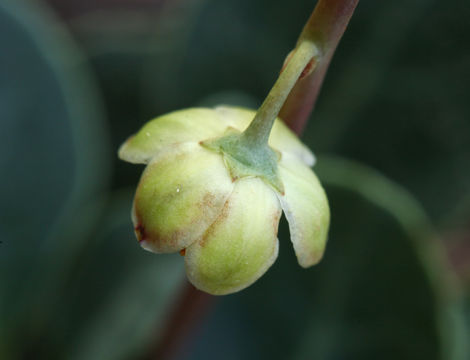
[
  {"x": 306, "y": 208},
  {"x": 241, "y": 244},
  {"x": 281, "y": 138},
  {"x": 284, "y": 140},
  {"x": 190, "y": 125},
  {"x": 237, "y": 117},
  {"x": 181, "y": 192}
]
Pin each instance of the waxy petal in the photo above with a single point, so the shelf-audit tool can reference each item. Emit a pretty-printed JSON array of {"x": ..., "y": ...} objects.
[
  {"x": 241, "y": 244},
  {"x": 181, "y": 192},
  {"x": 190, "y": 125},
  {"x": 306, "y": 208},
  {"x": 281, "y": 138},
  {"x": 237, "y": 117},
  {"x": 284, "y": 140}
]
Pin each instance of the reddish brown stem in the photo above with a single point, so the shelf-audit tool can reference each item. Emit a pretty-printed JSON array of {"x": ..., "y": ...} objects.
[
  {"x": 458, "y": 249},
  {"x": 191, "y": 308},
  {"x": 326, "y": 25}
]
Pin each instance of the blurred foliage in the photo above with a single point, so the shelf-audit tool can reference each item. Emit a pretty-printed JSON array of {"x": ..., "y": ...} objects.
[{"x": 75, "y": 284}]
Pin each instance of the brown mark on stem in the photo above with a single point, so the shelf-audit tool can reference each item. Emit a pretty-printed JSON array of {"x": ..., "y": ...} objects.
[
  {"x": 326, "y": 27},
  {"x": 306, "y": 71}
]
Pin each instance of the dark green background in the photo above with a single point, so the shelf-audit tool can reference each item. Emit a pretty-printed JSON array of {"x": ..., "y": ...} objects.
[{"x": 77, "y": 77}]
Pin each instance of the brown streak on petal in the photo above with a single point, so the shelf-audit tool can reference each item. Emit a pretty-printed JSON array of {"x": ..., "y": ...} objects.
[
  {"x": 171, "y": 239},
  {"x": 166, "y": 240},
  {"x": 275, "y": 221},
  {"x": 183, "y": 252},
  {"x": 224, "y": 213},
  {"x": 208, "y": 200},
  {"x": 150, "y": 235}
]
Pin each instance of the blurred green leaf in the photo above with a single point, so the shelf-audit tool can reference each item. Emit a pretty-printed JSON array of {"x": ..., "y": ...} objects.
[
  {"x": 119, "y": 296},
  {"x": 53, "y": 156}
]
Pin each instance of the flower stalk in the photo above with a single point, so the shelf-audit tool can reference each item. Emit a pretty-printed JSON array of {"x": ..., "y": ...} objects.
[{"x": 258, "y": 132}]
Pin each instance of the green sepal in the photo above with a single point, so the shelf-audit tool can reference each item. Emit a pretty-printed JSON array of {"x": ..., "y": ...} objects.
[{"x": 246, "y": 159}]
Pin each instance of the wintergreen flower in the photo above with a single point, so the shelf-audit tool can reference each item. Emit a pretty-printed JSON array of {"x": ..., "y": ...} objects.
[{"x": 222, "y": 210}]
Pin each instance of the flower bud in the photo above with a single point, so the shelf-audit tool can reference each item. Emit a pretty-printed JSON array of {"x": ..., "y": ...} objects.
[{"x": 189, "y": 200}]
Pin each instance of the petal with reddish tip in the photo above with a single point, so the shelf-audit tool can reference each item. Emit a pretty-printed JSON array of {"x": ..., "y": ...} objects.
[
  {"x": 306, "y": 208},
  {"x": 181, "y": 193},
  {"x": 241, "y": 244},
  {"x": 190, "y": 125},
  {"x": 281, "y": 138}
]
